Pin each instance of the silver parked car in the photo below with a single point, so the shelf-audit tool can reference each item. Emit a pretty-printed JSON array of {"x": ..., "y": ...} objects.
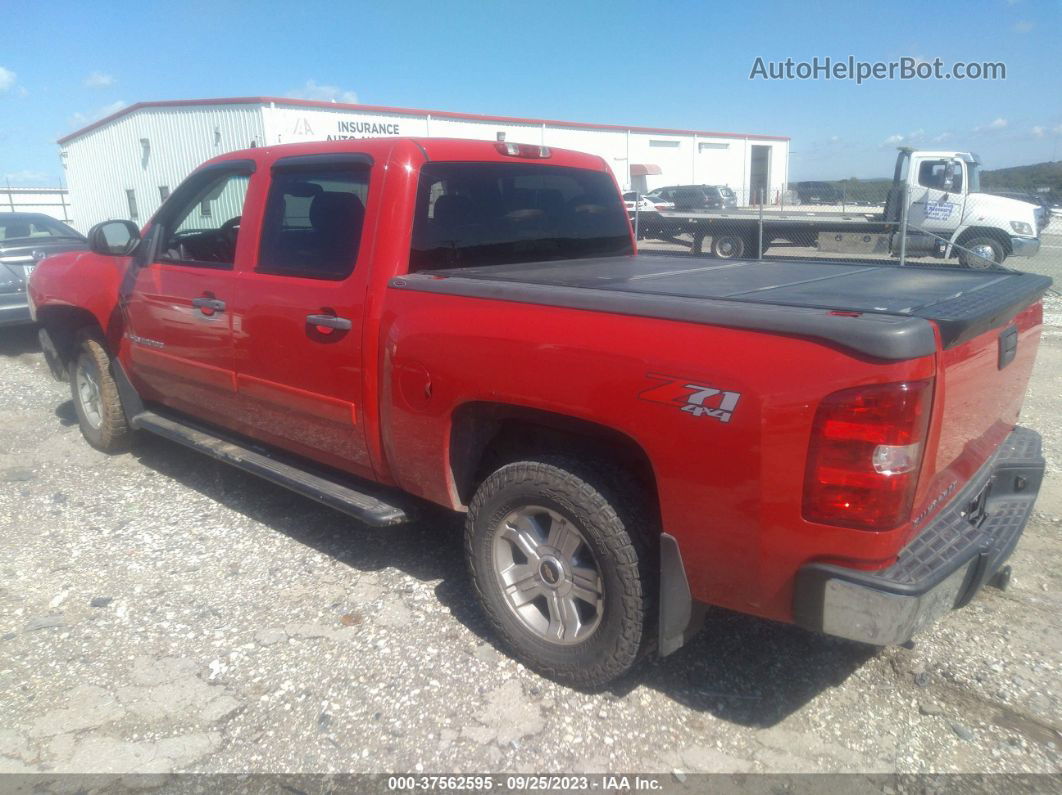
[{"x": 26, "y": 239}]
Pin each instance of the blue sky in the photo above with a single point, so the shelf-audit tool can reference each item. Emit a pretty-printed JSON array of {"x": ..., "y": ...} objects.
[{"x": 678, "y": 64}]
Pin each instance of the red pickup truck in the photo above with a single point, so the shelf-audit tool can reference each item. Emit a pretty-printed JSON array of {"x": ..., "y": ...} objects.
[{"x": 633, "y": 438}]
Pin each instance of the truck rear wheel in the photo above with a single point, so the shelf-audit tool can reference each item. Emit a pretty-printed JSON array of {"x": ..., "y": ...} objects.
[
  {"x": 561, "y": 570},
  {"x": 728, "y": 246},
  {"x": 981, "y": 253},
  {"x": 95, "y": 395}
]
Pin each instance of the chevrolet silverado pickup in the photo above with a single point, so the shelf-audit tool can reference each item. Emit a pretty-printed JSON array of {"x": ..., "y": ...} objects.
[{"x": 377, "y": 324}]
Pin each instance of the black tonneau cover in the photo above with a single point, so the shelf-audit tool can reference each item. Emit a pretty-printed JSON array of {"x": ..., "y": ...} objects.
[{"x": 790, "y": 297}]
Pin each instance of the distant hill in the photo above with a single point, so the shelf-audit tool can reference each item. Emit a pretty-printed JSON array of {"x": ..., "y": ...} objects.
[{"x": 1026, "y": 179}]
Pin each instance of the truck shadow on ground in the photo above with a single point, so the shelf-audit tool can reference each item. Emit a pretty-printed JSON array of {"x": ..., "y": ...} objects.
[
  {"x": 740, "y": 669},
  {"x": 18, "y": 340}
]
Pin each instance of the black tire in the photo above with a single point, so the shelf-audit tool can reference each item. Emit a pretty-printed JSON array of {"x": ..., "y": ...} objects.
[
  {"x": 728, "y": 246},
  {"x": 103, "y": 423},
  {"x": 613, "y": 529},
  {"x": 971, "y": 260}
]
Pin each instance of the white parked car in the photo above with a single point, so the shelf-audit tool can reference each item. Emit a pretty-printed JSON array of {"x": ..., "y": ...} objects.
[{"x": 646, "y": 202}]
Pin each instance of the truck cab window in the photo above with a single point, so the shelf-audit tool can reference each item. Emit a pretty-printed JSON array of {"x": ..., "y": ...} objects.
[
  {"x": 205, "y": 228},
  {"x": 501, "y": 213},
  {"x": 313, "y": 222},
  {"x": 931, "y": 175}
]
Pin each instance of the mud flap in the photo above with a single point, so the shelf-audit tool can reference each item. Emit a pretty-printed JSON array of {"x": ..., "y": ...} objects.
[
  {"x": 680, "y": 616},
  {"x": 51, "y": 355}
]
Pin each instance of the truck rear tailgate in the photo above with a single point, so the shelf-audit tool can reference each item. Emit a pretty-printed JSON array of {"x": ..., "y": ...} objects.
[{"x": 981, "y": 383}]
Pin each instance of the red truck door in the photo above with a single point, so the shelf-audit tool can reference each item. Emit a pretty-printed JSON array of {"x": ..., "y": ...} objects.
[
  {"x": 178, "y": 310},
  {"x": 299, "y": 335}
]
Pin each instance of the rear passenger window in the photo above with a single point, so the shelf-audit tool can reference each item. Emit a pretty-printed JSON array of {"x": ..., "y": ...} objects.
[{"x": 313, "y": 222}]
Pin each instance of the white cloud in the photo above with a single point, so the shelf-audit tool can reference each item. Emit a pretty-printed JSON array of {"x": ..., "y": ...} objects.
[
  {"x": 315, "y": 90},
  {"x": 1023, "y": 26},
  {"x": 1038, "y": 131},
  {"x": 996, "y": 124},
  {"x": 912, "y": 137},
  {"x": 99, "y": 80},
  {"x": 7, "y": 79},
  {"x": 26, "y": 177},
  {"x": 1057, "y": 129},
  {"x": 941, "y": 138},
  {"x": 81, "y": 119}
]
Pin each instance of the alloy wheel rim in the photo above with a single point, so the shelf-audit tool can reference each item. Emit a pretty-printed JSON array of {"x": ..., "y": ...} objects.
[
  {"x": 548, "y": 575},
  {"x": 727, "y": 247},
  {"x": 88, "y": 392},
  {"x": 985, "y": 256}
]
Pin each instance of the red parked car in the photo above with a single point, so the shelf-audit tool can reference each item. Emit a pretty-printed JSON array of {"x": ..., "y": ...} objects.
[{"x": 633, "y": 438}]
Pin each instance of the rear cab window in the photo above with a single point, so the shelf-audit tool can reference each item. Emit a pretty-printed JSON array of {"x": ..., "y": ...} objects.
[{"x": 475, "y": 214}]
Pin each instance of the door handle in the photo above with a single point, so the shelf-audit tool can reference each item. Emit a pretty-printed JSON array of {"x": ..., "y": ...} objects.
[
  {"x": 208, "y": 306},
  {"x": 329, "y": 322}
]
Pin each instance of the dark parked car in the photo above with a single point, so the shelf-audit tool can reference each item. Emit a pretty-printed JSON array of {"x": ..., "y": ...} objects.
[
  {"x": 26, "y": 239},
  {"x": 696, "y": 197},
  {"x": 817, "y": 193}
]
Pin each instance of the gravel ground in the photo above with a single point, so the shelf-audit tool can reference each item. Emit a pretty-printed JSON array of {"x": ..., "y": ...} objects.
[{"x": 160, "y": 611}]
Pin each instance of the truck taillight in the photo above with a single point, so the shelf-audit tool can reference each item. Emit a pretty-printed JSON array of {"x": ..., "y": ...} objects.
[
  {"x": 865, "y": 455},
  {"x": 522, "y": 150}
]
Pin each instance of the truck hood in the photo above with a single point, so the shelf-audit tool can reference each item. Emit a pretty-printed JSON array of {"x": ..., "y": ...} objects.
[{"x": 986, "y": 209}]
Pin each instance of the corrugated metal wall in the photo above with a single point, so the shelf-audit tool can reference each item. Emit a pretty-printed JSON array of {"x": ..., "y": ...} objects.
[
  {"x": 683, "y": 158},
  {"x": 104, "y": 164},
  {"x": 107, "y": 165}
]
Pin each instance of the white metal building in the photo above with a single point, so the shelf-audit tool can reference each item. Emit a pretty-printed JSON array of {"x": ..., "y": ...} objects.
[
  {"x": 49, "y": 201},
  {"x": 123, "y": 166}
]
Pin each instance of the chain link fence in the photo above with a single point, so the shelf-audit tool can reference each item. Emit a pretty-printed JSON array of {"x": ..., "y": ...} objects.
[{"x": 934, "y": 212}]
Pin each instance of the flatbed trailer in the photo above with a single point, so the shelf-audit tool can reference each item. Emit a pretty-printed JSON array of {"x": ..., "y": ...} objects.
[
  {"x": 736, "y": 233},
  {"x": 936, "y": 194}
]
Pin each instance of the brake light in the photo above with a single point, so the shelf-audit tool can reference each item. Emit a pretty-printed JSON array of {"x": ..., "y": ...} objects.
[
  {"x": 522, "y": 150},
  {"x": 865, "y": 455}
]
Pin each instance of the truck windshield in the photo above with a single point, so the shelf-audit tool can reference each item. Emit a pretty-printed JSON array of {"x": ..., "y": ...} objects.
[
  {"x": 501, "y": 213},
  {"x": 974, "y": 183}
]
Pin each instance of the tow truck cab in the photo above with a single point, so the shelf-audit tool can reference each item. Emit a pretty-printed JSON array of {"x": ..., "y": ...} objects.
[{"x": 948, "y": 215}]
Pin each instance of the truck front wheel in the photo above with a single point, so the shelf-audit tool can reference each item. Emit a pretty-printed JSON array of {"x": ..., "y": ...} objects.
[
  {"x": 561, "y": 569},
  {"x": 981, "y": 253},
  {"x": 95, "y": 395}
]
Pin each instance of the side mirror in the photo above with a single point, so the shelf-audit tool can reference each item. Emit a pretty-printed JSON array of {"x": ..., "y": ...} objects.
[
  {"x": 949, "y": 177},
  {"x": 114, "y": 238}
]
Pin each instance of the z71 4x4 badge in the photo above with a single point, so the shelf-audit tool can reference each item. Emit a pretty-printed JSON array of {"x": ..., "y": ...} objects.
[{"x": 696, "y": 399}]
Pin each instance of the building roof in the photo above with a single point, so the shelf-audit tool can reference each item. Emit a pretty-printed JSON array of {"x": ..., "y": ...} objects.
[{"x": 438, "y": 114}]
